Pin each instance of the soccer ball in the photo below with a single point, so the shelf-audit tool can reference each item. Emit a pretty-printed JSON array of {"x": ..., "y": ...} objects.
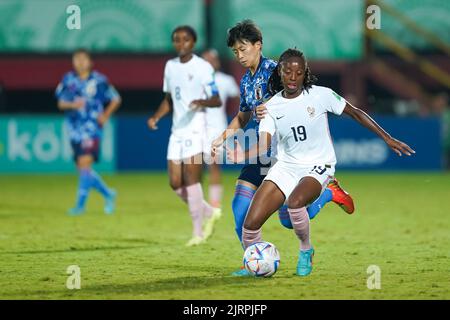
[{"x": 262, "y": 259}]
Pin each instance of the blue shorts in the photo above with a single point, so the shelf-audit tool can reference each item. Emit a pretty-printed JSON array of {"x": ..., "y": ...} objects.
[
  {"x": 86, "y": 147},
  {"x": 254, "y": 173}
]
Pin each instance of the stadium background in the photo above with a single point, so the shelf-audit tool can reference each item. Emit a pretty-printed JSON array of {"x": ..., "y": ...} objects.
[{"x": 400, "y": 74}]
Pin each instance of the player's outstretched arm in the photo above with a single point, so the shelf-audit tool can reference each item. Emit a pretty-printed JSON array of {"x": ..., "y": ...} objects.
[
  {"x": 164, "y": 108},
  {"x": 71, "y": 105},
  {"x": 109, "y": 110},
  {"x": 363, "y": 118},
  {"x": 240, "y": 121}
]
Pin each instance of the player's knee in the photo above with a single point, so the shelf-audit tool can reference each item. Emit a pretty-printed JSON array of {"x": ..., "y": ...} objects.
[
  {"x": 84, "y": 162},
  {"x": 299, "y": 201},
  {"x": 83, "y": 166}
]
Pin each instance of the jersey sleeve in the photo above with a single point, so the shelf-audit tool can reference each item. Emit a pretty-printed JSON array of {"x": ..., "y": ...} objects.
[
  {"x": 267, "y": 125},
  {"x": 62, "y": 91},
  {"x": 107, "y": 92},
  {"x": 166, "y": 81},
  {"x": 209, "y": 81},
  {"x": 111, "y": 93},
  {"x": 333, "y": 102}
]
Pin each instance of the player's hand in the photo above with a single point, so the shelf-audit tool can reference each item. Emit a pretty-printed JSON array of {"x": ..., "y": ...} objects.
[
  {"x": 216, "y": 147},
  {"x": 261, "y": 112},
  {"x": 102, "y": 119},
  {"x": 236, "y": 155},
  {"x": 399, "y": 147},
  {"x": 195, "y": 105},
  {"x": 151, "y": 122},
  {"x": 78, "y": 103}
]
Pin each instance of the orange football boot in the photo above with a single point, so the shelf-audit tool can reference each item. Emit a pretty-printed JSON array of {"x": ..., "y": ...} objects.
[{"x": 341, "y": 197}]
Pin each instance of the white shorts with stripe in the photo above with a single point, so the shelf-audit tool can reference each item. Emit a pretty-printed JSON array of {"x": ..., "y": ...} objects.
[{"x": 287, "y": 175}]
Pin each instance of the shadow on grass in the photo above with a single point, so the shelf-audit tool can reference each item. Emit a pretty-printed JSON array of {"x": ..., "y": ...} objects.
[
  {"x": 171, "y": 284},
  {"x": 75, "y": 250},
  {"x": 146, "y": 288}
]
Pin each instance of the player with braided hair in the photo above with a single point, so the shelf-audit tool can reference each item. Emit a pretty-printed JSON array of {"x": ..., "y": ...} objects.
[
  {"x": 245, "y": 39},
  {"x": 297, "y": 116}
]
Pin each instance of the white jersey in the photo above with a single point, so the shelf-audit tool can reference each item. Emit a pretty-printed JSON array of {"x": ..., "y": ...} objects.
[
  {"x": 186, "y": 82},
  {"x": 301, "y": 126},
  {"x": 216, "y": 117}
]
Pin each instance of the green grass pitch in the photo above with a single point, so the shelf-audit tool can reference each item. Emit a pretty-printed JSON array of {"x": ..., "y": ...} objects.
[{"x": 401, "y": 224}]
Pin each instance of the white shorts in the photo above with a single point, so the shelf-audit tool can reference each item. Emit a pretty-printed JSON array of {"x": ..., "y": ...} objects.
[
  {"x": 287, "y": 175},
  {"x": 186, "y": 145}
]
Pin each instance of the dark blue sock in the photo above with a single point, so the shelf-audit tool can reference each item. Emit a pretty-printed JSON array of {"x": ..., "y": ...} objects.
[
  {"x": 84, "y": 185},
  {"x": 320, "y": 202},
  {"x": 99, "y": 185},
  {"x": 283, "y": 214},
  {"x": 241, "y": 202}
]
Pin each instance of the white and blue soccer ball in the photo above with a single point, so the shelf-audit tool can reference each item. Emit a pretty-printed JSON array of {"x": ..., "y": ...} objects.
[{"x": 262, "y": 259}]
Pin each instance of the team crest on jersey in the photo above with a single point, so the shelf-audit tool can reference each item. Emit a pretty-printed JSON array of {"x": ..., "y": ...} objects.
[
  {"x": 258, "y": 92},
  {"x": 311, "y": 111},
  {"x": 190, "y": 76},
  {"x": 91, "y": 87}
]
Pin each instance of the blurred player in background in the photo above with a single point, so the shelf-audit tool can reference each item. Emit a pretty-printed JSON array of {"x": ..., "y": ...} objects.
[
  {"x": 297, "y": 115},
  {"x": 245, "y": 39},
  {"x": 189, "y": 88},
  {"x": 216, "y": 122},
  {"x": 82, "y": 95}
]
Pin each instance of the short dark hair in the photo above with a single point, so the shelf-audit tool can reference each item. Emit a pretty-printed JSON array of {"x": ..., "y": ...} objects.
[
  {"x": 186, "y": 28},
  {"x": 83, "y": 51},
  {"x": 275, "y": 84},
  {"x": 244, "y": 30}
]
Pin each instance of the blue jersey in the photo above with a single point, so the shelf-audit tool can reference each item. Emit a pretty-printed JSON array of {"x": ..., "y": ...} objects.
[
  {"x": 97, "y": 93},
  {"x": 254, "y": 88}
]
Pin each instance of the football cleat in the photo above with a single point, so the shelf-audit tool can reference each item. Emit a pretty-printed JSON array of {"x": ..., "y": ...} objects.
[
  {"x": 110, "y": 203},
  {"x": 208, "y": 227},
  {"x": 305, "y": 262},
  {"x": 242, "y": 272},
  {"x": 77, "y": 211},
  {"x": 341, "y": 197},
  {"x": 195, "y": 241}
]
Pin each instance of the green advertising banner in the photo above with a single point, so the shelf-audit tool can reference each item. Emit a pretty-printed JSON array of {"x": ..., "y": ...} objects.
[
  {"x": 323, "y": 29},
  {"x": 41, "y": 144},
  {"x": 105, "y": 25},
  {"x": 431, "y": 15}
]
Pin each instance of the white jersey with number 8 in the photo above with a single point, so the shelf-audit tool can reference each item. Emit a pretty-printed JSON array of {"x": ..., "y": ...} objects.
[{"x": 186, "y": 82}]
